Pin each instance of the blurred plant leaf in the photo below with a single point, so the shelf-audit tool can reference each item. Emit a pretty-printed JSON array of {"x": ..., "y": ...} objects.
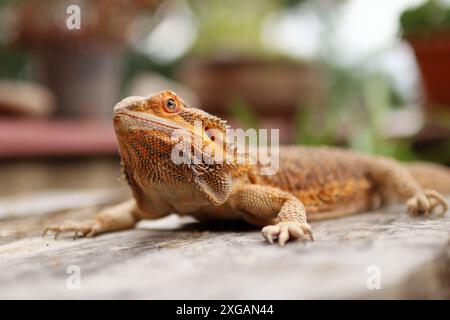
[
  {"x": 358, "y": 104},
  {"x": 231, "y": 26},
  {"x": 311, "y": 128},
  {"x": 432, "y": 15},
  {"x": 239, "y": 110}
]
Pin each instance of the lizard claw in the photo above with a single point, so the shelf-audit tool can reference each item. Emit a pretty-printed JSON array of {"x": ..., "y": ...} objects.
[
  {"x": 85, "y": 229},
  {"x": 285, "y": 231},
  {"x": 425, "y": 203}
]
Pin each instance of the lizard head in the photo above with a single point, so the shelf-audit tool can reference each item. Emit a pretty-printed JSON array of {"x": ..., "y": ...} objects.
[
  {"x": 149, "y": 131},
  {"x": 163, "y": 112}
]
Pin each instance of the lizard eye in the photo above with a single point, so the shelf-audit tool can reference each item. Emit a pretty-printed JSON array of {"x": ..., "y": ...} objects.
[{"x": 171, "y": 105}]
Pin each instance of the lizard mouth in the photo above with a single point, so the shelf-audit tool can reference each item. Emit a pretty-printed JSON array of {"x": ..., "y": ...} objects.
[{"x": 138, "y": 121}]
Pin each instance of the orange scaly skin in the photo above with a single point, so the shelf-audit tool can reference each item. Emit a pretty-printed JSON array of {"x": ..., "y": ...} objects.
[{"x": 314, "y": 183}]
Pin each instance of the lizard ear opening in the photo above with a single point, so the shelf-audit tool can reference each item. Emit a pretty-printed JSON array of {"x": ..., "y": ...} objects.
[{"x": 215, "y": 186}]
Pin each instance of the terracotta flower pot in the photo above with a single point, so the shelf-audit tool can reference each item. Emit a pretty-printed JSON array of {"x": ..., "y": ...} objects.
[{"x": 433, "y": 57}]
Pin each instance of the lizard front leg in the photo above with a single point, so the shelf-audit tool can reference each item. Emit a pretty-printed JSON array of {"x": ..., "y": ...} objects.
[
  {"x": 392, "y": 179},
  {"x": 120, "y": 217},
  {"x": 264, "y": 205}
]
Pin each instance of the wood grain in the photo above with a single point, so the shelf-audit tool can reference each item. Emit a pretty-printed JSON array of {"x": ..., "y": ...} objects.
[{"x": 183, "y": 259}]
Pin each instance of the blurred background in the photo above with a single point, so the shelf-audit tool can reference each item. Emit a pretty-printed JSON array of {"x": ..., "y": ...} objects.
[{"x": 368, "y": 75}]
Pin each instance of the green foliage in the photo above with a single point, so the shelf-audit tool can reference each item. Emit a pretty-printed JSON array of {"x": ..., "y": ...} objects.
[
  {"x": 358, "y": 106},
  {"x": 15, "y": 62},
  {"x": 431, "y": 16},
  {"x": 241, "y": 112},
  {"x": 307, "y": 122},
  {"x": 231, "y": 26},
  {"x": 367, "y": 135},
  {"x": 8, "y": 3}
]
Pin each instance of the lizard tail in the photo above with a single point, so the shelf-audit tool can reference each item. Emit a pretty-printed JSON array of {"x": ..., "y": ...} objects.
[{"x": 431, "y": 176}]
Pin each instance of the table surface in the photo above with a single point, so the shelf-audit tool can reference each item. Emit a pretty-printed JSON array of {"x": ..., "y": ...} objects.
[{"x": 381, "y": 254}]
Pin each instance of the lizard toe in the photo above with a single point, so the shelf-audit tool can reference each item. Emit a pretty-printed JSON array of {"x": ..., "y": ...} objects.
[
  {"x": 283, "y": 237},
  {"x": 78, "y": 229},
  {"x": 426, "y": 202},
  {"x": 270, "y": 232},
  {"x": 285, "y": 231},
  {"x": 436, "y": 199}
]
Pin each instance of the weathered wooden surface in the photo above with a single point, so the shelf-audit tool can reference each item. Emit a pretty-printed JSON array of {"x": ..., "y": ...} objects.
[{"x": 183, "y": 259}]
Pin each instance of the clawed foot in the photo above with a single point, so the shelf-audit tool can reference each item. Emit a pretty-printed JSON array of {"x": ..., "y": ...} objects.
[
  {"x": 85, "y": 229},
  {"x": 425, "y": 203},
  {"x": 285, "y": 231}
]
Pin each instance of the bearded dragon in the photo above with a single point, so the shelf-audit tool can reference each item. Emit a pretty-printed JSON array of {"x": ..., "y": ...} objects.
[{"x": 312, "y": 183}]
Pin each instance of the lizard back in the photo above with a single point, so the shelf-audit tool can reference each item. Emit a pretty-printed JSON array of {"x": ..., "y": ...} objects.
[{"x": 322, "y": 178}]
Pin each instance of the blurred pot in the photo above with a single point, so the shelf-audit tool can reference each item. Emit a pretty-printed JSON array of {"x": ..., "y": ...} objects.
[
  {"x": 85, "y": 80},
  {"x": 269, "y": 87},
  {"x": 82, "y": 65},
  {"x": 433, "y": 57}
]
